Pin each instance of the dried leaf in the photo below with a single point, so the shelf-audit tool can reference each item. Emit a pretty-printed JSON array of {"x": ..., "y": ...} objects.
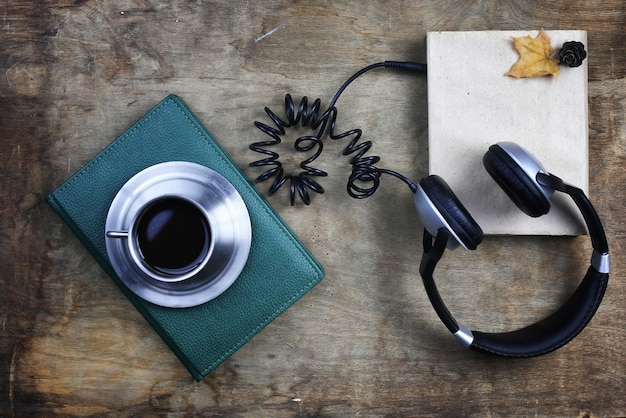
[{"x": 535, "y": 57}]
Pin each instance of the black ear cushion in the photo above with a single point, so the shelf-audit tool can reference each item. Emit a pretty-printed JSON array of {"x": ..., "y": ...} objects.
[
  {"x": 522, "y": 190},
  {"x": 453, "y": 211}
]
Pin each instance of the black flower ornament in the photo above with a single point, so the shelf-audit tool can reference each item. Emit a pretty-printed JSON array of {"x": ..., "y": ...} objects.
[{"x": 572, "y": 54}]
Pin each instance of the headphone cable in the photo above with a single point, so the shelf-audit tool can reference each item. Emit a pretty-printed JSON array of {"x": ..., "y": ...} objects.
[{"x": 365, "y": 177}]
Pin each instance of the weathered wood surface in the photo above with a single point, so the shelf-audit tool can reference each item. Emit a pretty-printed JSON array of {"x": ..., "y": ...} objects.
[{"x": 364, "y": 342}]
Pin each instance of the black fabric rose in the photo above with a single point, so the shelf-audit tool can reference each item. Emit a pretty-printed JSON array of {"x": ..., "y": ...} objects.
[{"x": 572, "y": 54}]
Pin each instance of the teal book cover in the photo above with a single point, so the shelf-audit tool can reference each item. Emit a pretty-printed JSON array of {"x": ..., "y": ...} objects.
[{"x": 279, "y": 269}]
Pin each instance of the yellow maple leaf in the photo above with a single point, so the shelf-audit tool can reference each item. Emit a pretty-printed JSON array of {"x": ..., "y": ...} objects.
[{"x": 535, "y": 57}]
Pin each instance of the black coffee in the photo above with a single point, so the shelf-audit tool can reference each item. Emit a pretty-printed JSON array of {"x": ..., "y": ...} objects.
[{"x": 173, "y": 236}]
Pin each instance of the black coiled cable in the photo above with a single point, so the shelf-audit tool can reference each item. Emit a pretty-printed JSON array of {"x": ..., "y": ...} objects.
[{"x": 365, "y": 177}]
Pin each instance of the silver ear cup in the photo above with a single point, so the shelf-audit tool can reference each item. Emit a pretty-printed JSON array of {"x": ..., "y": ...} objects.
[
  {"x": 515, "y": 170},
  {"x": 438, "y": 207},
  {"x": 526, "y": 161},
  {"x": 432, "y": 218}
]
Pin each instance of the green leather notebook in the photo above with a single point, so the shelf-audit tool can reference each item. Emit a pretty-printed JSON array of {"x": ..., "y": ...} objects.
[{"x": 279, "y": 269}]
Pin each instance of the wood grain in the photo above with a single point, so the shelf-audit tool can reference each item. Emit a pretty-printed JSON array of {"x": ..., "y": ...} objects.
[{"x": 365, "y": 341}]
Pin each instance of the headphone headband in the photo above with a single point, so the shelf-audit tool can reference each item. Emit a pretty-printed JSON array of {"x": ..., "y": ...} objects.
[{"x": 557, "y": 329}]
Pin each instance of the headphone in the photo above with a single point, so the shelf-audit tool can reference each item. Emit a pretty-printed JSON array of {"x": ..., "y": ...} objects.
[{"x": 447, "y": 224}]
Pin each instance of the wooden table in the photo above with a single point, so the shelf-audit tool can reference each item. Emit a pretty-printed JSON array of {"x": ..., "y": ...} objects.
[{"x": 365, "y": 341}]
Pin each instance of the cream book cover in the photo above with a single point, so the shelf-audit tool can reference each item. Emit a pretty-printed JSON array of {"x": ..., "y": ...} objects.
[{"x": 473, "y": 104}]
